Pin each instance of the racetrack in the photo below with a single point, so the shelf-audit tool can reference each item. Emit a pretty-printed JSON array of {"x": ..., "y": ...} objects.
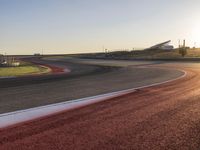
[
  {"x": 83, "y": 81},
  {"x": 60, "y": 70},
  {"x": 165, "y": 116}
]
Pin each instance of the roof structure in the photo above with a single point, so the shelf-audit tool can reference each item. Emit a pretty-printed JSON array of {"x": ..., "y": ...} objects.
[{"x": 160, "y": 45}]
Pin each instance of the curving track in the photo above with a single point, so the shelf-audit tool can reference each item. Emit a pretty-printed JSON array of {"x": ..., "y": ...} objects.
[
  {"x": 160, "y": 117},
  {"x": 83, "y": 81},
  {"x": 60, "y": 70}
]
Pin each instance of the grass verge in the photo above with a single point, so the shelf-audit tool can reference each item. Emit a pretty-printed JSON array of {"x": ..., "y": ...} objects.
[{"x": 22, "y": 70}]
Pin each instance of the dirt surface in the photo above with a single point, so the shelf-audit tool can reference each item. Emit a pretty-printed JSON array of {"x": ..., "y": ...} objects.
[
  {"x": 161, "y": 117},
  {"x": 83, "y": 81}
]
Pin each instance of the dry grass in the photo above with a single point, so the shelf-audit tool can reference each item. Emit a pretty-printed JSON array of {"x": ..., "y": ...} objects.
[{"x": 21, "y": 70}]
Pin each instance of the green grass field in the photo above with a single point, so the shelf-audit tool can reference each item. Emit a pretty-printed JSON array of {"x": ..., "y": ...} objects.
[{"x": 22, "y": 70}]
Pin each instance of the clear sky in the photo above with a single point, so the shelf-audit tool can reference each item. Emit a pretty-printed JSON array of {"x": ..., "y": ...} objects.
[{"x": 74, "y": 26}]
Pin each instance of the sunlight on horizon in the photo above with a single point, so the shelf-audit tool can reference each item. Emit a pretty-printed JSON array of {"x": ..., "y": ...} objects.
[{"x": 86, "y": 26}]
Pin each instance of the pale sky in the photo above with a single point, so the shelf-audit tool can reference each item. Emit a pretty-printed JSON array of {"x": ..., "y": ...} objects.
[{"x": 74, "y": 26}]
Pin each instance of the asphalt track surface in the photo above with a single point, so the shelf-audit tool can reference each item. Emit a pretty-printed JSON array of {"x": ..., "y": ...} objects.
[
  {"x": 83, "y": 81},
  {"x": 59, "y": 70},
  {"x": 166, "y": 116}
]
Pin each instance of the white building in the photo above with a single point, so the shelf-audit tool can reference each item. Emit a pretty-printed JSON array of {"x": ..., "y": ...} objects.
[{"x": 167, "y": 47}]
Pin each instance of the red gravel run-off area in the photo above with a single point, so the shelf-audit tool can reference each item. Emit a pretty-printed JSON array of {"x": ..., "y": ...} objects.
[{"x": 54, "y": 69}]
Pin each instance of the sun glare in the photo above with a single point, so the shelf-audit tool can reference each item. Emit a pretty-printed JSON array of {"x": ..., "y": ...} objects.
[{"x": 195, "y": 35}]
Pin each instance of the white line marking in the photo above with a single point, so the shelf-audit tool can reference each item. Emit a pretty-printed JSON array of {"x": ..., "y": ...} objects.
[{"x": 8, "y": 119}]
